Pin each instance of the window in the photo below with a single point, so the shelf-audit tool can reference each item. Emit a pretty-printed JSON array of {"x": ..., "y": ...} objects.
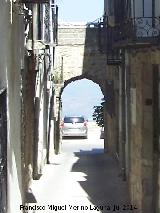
[
  {"x": 143, "y": 8},
  {"x": 73, "y": 120}
]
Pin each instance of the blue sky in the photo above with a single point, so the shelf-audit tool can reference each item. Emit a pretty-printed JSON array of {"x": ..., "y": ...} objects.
[
  {"x": 79, "y": 97},
  {"x": 80, "y": 10}
]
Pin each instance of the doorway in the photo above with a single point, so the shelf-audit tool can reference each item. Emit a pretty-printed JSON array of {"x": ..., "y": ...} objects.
[
  {"x": 3, "y": 152},
  {"x": 156, "y": 136}
]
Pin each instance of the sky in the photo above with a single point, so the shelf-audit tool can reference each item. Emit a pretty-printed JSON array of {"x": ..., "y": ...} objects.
[
  {"x": 79, "y": 10},
  {"x": 79, "y": 97}
]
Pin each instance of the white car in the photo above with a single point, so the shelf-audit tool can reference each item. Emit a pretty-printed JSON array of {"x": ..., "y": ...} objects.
[{"x": 74, "y": 126}]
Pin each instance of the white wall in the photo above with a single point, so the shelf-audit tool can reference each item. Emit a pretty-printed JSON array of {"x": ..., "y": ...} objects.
[{"x": 11, "y": 57}]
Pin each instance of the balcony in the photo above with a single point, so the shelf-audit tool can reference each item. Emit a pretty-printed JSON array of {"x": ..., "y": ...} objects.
[
  {"x": 55, "y": 22},
  {"x": 131, "y": 33},
  {"x": 138, "y": 31}
]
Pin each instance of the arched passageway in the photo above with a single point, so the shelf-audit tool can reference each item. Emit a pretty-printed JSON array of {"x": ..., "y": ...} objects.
[{"x": 79, "y": 97}]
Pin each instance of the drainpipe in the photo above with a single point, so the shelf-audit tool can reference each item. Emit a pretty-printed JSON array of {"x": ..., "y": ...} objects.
[
  {"x": 50, "y": 125},
  {"x": 34, "y": 38},
  {"x": 58, "y": 133},
  {"x": 123, "y": 121},
  {"x": 61, "y": 78},
  {"x": 34, "y": 26}
]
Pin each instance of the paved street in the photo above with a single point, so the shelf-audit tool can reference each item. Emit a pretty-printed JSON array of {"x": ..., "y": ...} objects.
[{"x": 81, "y": 179}]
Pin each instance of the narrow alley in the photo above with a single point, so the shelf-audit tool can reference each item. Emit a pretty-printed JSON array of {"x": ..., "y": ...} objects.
[
  {"x": 46, "y": 45},
  {"x": 82, "y": 175}
]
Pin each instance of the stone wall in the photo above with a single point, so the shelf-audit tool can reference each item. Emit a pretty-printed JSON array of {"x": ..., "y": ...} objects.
[
  {"x": 137, "y": 154},
  {"x": 111, "y": 110},
  {"x": 141, "y": 173},
  {"x": 77, "y": 53}
]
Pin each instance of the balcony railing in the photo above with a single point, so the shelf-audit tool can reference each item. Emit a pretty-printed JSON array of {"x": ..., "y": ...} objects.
[
  {"x": 135, "y": 31},
  {"x": 55, "y": 22},
  {"x": 131, "y": 32},
  {"x": 50, "y": 23},
  {"x": 47, "y": 36}
]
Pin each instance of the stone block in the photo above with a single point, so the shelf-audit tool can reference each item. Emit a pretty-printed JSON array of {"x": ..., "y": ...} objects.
[
  {"x": 147, "y": 205},
  {"x": 147, "y": 121},
  {"x": 147, "y": 173}
]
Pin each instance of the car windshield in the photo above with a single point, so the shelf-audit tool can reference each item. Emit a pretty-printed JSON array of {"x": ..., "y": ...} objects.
[{"x": 73, "y": 120}]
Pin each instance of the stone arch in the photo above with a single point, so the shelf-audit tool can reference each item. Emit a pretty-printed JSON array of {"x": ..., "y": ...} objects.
[
  {"x": 80, "y": 77},
  {"x": 60, "y": 88},
  {"x": 77, "y": 55}
]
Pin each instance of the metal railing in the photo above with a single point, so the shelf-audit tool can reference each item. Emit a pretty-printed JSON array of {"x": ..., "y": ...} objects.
[
  {"x": 130, "y": 32},
  {"x": 50, "y": 23},
  {"x": 55, "y": 22},
  {"x": 137, "y": 30},
  {"x": 47, "y": 36}
]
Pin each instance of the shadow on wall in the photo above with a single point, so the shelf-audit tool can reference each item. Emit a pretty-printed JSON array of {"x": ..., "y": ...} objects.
[
  {"x": 103, "y": 185},
  {"x": 94, "y": 62}
]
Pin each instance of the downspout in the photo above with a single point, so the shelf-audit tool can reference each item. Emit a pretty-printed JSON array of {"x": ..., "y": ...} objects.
[
  {"x": 51, "y": 115},
  {"x": 34, "y": 53},
  {"x": 123, "y": 138},
  {"x": 58, "y": 133},
  {"x": 34, "y": 27},
  {"x": 51, "y": 101},
  {"x": 61, "y": 77}
]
